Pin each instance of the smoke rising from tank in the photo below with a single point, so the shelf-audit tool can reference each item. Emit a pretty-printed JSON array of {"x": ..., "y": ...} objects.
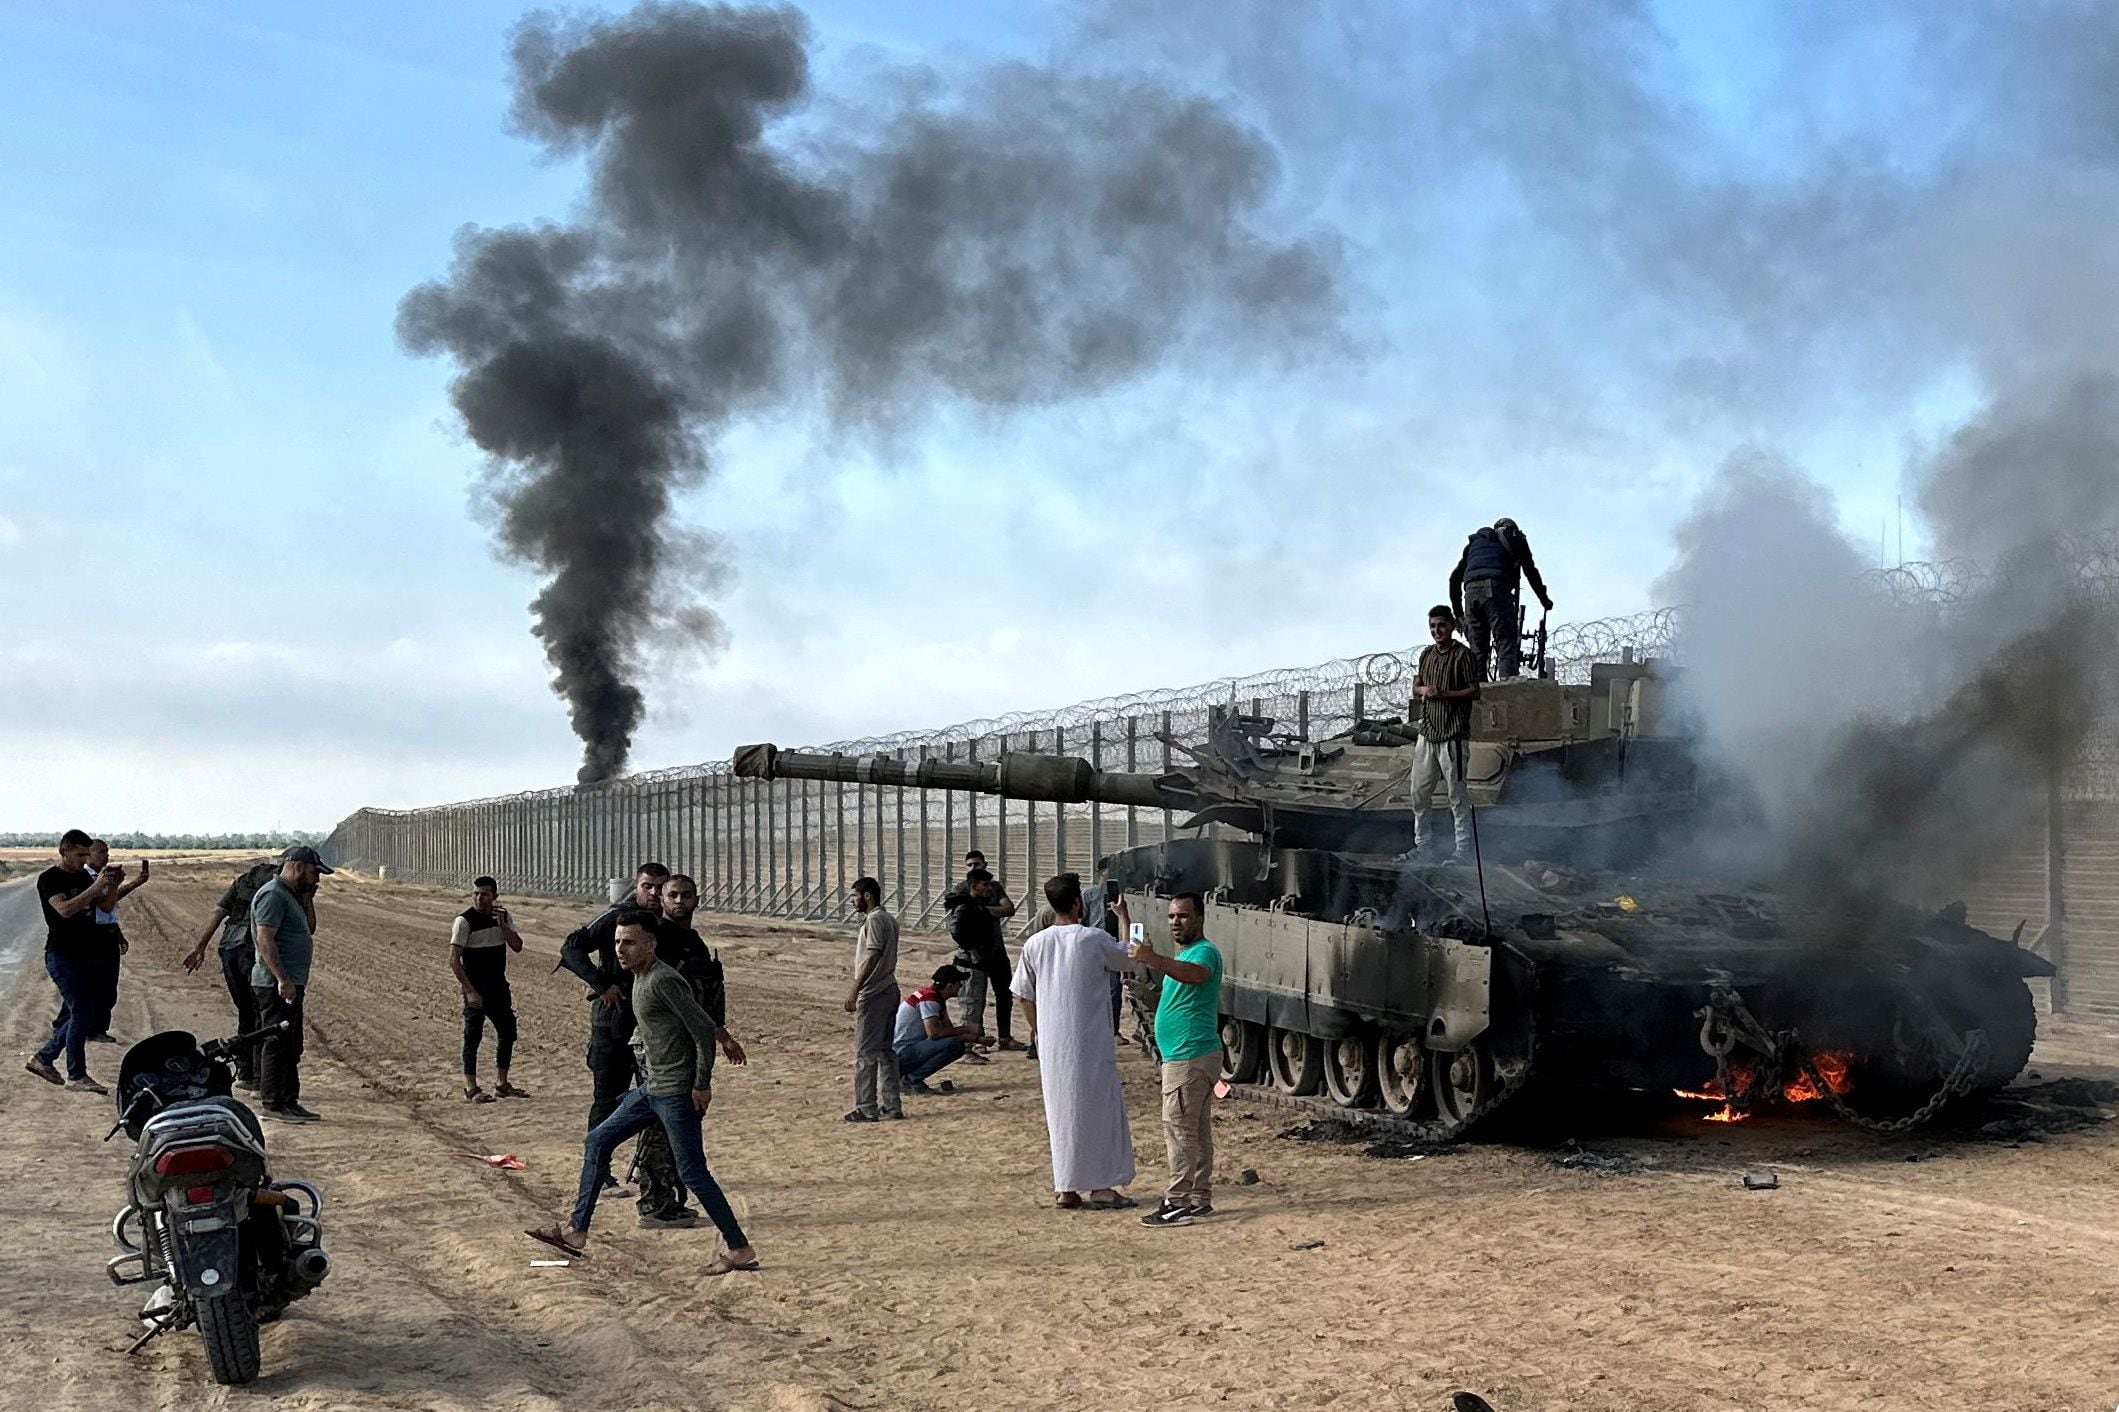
[{"x": 1009, "y": 238}]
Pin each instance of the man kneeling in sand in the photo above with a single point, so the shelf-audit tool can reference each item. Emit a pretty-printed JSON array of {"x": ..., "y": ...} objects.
[{"x": 678, "y": 1037}]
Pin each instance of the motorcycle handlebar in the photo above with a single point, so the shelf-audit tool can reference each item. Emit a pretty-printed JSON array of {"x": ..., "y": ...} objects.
[{"x": 217, "y": 1047}]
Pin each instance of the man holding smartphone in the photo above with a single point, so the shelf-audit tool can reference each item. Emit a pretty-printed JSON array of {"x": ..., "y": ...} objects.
[
  {"x": 1188, "y": 1029},
  {"x": 69, "y": 894},
  {"x": 479, "y": 942}
]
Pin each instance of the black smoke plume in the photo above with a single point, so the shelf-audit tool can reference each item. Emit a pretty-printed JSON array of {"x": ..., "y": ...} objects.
[{"x": 1012, "y": 237}]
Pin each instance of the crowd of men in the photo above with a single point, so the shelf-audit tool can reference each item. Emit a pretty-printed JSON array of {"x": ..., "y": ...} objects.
[{"x": 656, "y": 1018}]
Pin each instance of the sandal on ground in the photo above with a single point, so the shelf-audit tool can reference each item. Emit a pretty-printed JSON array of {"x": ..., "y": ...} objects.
[
  {"x": 475, "y": 1094},
  {"x": 722, "y": 1265},
  {"x": 1120, "y": 1202},
  {"x": 510, "y": 1091},
  {"x": 857, "y": 1116},
  {"x": 557, "y": 1238},
  {"x": 1066, "y": 1201}
]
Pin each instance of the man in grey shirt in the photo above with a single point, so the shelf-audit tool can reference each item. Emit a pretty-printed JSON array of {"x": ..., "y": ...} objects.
[
  {"x": 283, "y": 928},
  {"x": 873, "y": 1002},
  {"x": 678, "y": 1038}
]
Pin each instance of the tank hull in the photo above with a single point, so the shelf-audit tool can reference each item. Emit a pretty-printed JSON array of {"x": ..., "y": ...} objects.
[{"x": 1583, "y": 980}]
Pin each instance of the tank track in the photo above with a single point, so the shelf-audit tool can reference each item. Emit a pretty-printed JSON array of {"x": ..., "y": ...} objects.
[{"x": 1386, "y": 1124}]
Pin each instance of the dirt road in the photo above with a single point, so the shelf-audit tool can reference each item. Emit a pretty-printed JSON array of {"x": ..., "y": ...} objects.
[{"x": 917, "y": 1265}]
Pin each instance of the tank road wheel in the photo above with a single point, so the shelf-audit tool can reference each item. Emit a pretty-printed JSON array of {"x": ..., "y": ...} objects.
[
  {"x": 1350, "y": 1071},
  {"x": 1297, "y": 1061},
  {"x": 1243, "y": 1050},
  {"x": 1462, "y": 1082},
  {"x": 1401, "y": 1072}
]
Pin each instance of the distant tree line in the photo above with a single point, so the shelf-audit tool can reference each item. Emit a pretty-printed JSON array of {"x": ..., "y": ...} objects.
[{"x": 256, "y": 842}]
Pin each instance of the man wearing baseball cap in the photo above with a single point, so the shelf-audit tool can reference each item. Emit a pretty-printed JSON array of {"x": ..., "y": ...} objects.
[{"x": 283, "y": 927}]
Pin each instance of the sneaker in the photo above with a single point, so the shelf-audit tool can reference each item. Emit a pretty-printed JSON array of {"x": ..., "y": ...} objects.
[
  {"x": 1013, "y": 1044},
  {"x": 1167, "y": 1216},
  {"x": 857, "y": 1116},
  {"x": 680, "y": 1220},
  {"x": 292, "y": 1113},
  {"x": 85, "y": 1084},
  {"x": 891, "y": 1117},
  {"x": 104, "y": 1038},
  {"x": 42, "y": 1069},
  {"x": 917, "y": 1086}
]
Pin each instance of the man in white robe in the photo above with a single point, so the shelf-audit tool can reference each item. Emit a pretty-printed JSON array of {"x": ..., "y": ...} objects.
[{"x": 1064, "y": 982}]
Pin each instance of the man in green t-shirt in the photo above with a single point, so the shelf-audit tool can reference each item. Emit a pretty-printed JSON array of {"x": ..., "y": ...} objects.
[{"x": 1188, "y": 1031}]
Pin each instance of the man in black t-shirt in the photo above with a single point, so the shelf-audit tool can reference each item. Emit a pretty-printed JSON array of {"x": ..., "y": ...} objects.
[
  {"x": 479, "y": 942},
  {"x": 590, "y": 953},
  {"x": 976, "y": 930},
  {"x": 69, "y": 895}
]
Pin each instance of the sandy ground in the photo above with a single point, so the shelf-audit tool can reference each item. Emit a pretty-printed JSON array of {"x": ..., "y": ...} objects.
[{"x": 915, "y": 1265}]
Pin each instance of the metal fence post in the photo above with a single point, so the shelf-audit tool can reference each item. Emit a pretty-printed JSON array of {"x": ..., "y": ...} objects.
[
  {"x": 1132, "y": 765},
  {"x": 1096, "y": 807},
  {"x": 1166, "y": 770}
]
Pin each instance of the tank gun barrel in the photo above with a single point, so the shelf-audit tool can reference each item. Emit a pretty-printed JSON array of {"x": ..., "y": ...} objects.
[{"x": 1057, "y": 779}]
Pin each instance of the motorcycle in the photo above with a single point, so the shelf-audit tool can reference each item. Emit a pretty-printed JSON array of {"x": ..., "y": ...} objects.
[{"x": 227, "y": 1246}]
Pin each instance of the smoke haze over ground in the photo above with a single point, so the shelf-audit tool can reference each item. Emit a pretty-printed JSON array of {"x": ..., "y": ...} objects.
[{"x": 1008, "y": 238}]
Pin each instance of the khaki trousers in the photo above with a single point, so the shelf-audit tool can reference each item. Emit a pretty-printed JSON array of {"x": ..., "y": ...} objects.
[{"x": 1188, "y": 1129}]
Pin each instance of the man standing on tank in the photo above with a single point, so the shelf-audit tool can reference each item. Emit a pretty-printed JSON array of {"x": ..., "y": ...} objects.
[
  {"x": 1484, "y": 591},
  {"x": 1445, "y": 685},
  {"x": 590, "y": 953}
]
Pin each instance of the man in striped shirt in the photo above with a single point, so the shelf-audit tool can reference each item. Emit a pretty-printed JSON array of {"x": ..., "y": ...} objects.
[{"x": 479, "y": 943}]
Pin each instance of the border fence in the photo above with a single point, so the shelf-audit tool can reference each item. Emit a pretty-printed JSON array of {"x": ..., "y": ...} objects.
[{"x": 791, "y": 848}]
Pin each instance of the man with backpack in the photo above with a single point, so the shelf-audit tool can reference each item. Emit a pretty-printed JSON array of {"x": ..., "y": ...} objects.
[
  {"x": 231, "y": 919},
  {"x": 1484, "y": 591}
]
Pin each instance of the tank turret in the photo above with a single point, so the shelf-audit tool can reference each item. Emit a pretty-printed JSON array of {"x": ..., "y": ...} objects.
[{"x": 1563, "y": 773}]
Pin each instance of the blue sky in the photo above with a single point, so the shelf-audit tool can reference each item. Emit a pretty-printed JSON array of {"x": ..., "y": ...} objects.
[{"x": 242, "y": 578}]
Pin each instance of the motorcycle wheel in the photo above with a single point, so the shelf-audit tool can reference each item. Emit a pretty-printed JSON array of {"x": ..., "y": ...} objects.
[{"x": 230, "y": 1332}]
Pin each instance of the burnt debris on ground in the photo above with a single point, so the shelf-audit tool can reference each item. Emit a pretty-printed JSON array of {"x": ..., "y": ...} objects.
[{"x": 1327, "y": 1130}]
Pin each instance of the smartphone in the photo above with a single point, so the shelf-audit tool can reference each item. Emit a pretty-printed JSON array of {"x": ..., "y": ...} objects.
[
  {"x": 1140, "y": 932},
  {"x": 1112, "y": 893}
]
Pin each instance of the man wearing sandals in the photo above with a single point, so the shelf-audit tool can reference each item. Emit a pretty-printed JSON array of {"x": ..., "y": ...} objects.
[
  {"x": 479, "y": 943},
  {"x": 678, "y": 1035},
  {"x": 1064, "y": 983}
]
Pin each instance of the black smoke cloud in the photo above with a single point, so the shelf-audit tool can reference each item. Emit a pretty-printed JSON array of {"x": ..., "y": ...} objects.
[{"x": 1010, "y": 238}]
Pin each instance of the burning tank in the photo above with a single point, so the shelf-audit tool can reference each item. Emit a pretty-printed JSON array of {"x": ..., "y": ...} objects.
[{"x": 1566, "y": 956}]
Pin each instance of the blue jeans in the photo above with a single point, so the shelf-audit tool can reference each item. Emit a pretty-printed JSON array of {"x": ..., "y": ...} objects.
[
  {"x": 82, "y": 1011},
  {"x": 921, "y": 1059},
  {"x": 638, "y": 1111}
]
